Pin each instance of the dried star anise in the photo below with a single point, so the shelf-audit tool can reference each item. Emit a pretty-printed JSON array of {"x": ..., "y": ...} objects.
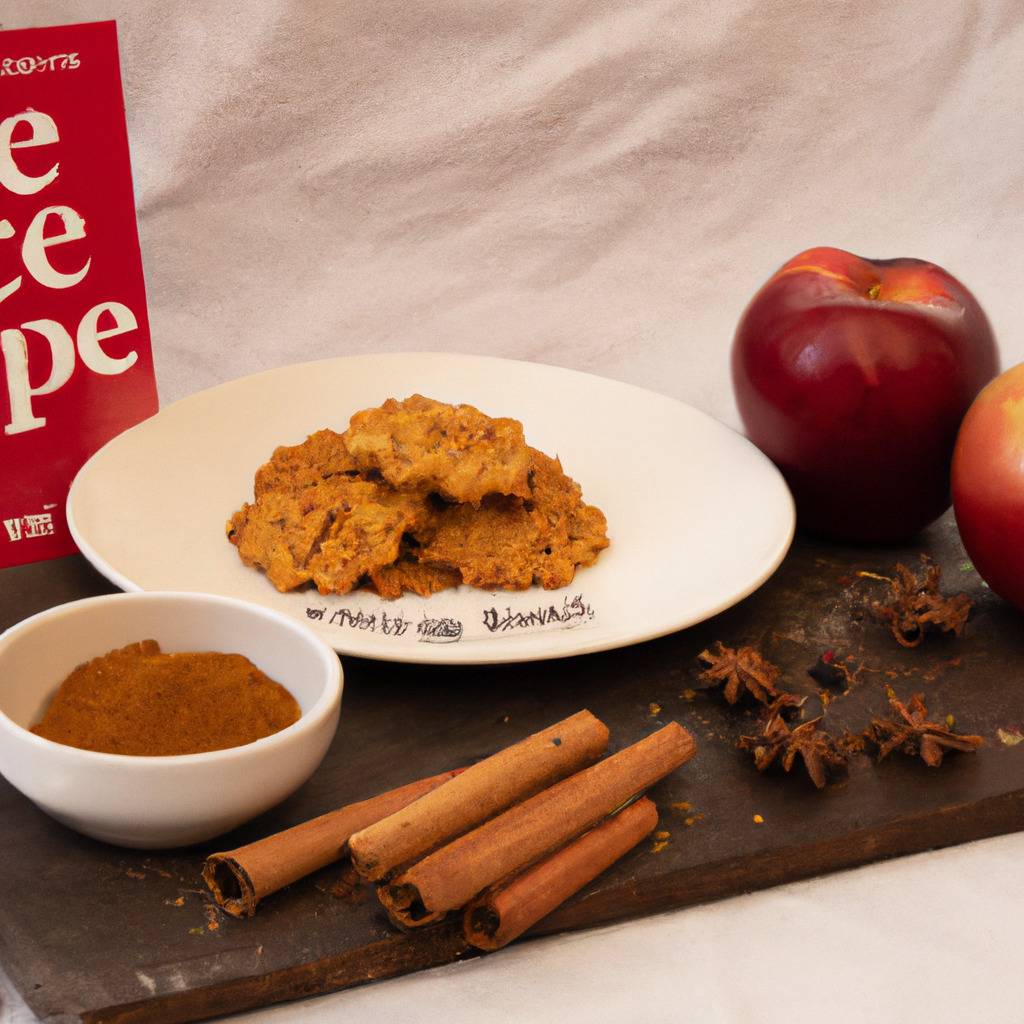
[
  {"x": 915, "y": 603},
  {"x": 910, "y": 731},
  {"x": 744, "y": 670},
  {"x": 817, "y": 750}
]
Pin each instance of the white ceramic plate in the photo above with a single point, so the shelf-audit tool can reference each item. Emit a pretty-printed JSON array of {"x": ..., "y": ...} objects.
[{"x": 697, "y": 516}]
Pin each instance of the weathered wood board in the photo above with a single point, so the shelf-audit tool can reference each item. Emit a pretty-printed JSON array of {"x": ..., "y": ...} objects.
[{"x": 110, "y": 934}]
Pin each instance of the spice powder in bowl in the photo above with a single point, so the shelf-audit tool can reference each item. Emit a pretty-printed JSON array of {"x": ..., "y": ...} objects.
[{"x": 140, "y": 701}]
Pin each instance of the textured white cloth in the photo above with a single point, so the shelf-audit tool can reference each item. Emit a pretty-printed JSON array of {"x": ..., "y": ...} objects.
[{"x": 602, "y": 186}]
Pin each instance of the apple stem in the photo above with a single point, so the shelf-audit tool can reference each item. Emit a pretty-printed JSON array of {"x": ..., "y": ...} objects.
[{"x": 874, "y": 290}]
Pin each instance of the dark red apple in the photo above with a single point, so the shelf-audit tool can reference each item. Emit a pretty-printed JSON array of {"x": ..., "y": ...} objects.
[
  {"x": 853, "y": 375},
  {"x": 988, "y": 484}
]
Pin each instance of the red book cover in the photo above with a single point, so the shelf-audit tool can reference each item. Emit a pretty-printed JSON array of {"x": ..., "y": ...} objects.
[{"x": 76, "y": 366}]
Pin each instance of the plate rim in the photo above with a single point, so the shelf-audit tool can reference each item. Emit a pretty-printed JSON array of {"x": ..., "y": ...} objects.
[{"x": 438, "y": 654}]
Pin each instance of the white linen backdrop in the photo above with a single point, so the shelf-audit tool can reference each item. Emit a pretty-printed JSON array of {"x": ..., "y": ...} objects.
[{"x": 603, "y": 186}]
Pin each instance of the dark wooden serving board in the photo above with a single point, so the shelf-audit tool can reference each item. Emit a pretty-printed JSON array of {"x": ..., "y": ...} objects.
[{"x": 111, "y": 934}]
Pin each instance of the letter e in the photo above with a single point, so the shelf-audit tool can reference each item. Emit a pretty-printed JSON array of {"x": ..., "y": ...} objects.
[
  {"x": 44, "y": 133},
  {"x": 89, "y": 338},
  {"x": 33, "y": 249}
]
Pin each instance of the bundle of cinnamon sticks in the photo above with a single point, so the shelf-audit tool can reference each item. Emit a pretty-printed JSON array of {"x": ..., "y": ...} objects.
[{"x": 504, "y": 841}]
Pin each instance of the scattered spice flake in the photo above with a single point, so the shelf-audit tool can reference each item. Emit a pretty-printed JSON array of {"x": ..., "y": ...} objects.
[
  {"x": 658, "y": 845},
  {"x": 179, "y": 902},
  {"x": 865, "y": 575},
  {"x": 950, "y": 721},
  {"x": 654, "y": 709},
  {"x": 916, "y": 603},
  {"x": 197, "y": 931},
  {"x": 135, "y": 874},
  {"x": 1011, "y": 737},
  {"x": 692, "y": 820},
  {"x": 910, "y": 731},
  {"x": 758, "y": 820},
  {"x": 817, "y": 750},
  {"x": 743, "y": 670},
  {"x": 688, "y": 694},
  {"x": 683, "y": 805},
  {"x": 348, "y": 886},
  {"x": 212, "y": 921},
  {"x": 662, "y": 835}
]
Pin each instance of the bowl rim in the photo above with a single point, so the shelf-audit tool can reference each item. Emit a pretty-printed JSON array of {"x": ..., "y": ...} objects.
[{"x": 323, "y": 707}]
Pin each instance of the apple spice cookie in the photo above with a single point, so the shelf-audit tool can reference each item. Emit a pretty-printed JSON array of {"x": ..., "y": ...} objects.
[
  {"x": 454, "y": 450},
  {"x": 510, "y": 544},
  {"x": 408, "y": 574},
  {"x": 376, "y": 507},
  {"x": 322, "y": 456}
]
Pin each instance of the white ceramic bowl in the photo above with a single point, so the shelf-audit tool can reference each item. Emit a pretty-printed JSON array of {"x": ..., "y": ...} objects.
[{"x": 162, "y": 801}]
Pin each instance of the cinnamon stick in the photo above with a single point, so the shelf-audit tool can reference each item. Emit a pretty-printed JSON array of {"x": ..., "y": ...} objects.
[
  {"x": 478, "y": 794},
  {"x": 452, "y": 875},
  {"x": 502, "y": 914},
  {"x": 240, "y": 878}
]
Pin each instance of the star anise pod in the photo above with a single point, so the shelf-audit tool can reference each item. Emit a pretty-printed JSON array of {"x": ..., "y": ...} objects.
[
  {"x": 910, "y": 731},
  {"x": 743, "y": 670},
  {"x": 915, "y": 604},
  {"x": 817, "y": 750}
]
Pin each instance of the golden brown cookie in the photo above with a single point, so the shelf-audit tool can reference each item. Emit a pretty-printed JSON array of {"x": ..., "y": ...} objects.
[
  {"x": 511, "y": 544},
  {"x": 332, "y": 533},
  {"x": 391, "y": 581},
  {"x": 320, "y": 457},
  {"x": 456, "y": 451}
]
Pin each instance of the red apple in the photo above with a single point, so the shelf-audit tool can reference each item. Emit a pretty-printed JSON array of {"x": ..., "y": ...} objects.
[
  {"x": 853, "y": 375},
  {"x": 988, "y": 485}
]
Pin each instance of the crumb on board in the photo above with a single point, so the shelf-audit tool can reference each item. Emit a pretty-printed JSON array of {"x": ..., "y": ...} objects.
[
  {"x": 660, "y": 839},
  {"x": 758, "y": 820},
  {"x": 212, "y": 921},
  {"x": 135, "y": 874},
  {"x": 683, "y": 805},
  {"x": 1010, "y": 737},
  {"x": 688, "y": 694},
  {"x": 179, "y": 902},
  {"x": 654, "y": 709}
]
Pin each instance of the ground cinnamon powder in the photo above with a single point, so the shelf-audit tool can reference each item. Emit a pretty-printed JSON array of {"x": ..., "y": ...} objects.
[{"x": 138, "y": 700}]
